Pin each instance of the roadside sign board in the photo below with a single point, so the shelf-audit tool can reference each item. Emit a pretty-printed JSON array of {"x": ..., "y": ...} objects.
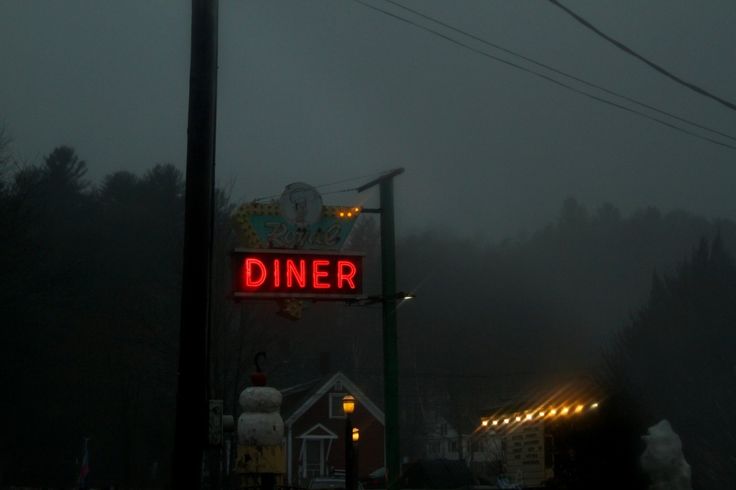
[
  {"x": 525, "y": 455},
  {"x": 308, "y": 227},
  {"x": 327, "y": 233},
  {"x": 302, "y": 274}
]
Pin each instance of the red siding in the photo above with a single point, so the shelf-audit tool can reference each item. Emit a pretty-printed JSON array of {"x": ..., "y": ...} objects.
[{"x": 370, "y": 447}]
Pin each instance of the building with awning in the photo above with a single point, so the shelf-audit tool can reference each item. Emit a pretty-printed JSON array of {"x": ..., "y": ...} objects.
[{"x": 522, "y": 432}]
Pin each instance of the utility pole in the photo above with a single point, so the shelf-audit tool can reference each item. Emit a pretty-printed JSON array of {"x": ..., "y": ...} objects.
[
  {"x": 390, "y": 338},
  {"x": 192, "y": 391}
]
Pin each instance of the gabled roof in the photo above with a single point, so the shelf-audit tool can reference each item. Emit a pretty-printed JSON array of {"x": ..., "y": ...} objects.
[{"x": 321, "y": 390}]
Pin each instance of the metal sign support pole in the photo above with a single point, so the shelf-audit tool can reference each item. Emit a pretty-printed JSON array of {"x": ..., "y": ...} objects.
[
  {"x": 390, "y": 347},
  {"x": 390, "y": 338}
]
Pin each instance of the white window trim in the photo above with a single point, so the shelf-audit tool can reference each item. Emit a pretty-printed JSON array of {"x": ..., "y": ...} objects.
[
  {"x": 340, "y": 415},
  {"x": 324, "y": 454},
  {"x": 326, "y": 433}
]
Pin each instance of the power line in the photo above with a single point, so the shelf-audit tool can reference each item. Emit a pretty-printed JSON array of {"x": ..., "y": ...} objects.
[
  {"x": 655, "y": 66},
  {"x": 360, "y": 177},
  {"x": 342, "y": 181},
  {"x": 459, "y": 375},
  {"x": 560, "y": 72},
  {"x": 545, "y": 77}
]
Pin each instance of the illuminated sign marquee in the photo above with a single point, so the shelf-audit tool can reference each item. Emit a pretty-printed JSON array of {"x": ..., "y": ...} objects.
[{"x": 299, "y": 274}]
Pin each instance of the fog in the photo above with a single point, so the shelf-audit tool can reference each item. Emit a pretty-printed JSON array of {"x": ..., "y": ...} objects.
[
  {"x": 320, "y": 92},
  {"x": 554, "y": 242}
]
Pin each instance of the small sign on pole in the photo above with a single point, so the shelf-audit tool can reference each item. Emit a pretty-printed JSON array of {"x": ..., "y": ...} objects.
[{"x": 215, "y": 426}]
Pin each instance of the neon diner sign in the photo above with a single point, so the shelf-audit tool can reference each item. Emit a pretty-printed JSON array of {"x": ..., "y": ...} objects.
[{"x": 303, "y": 274}]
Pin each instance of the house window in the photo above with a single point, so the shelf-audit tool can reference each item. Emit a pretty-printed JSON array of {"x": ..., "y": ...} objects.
[
  {"x": 453, "y": 446},
  {"x": 434, "y": 448},
  {"x": 336, "y": 411},
  {"x": 443, "y": 429}
]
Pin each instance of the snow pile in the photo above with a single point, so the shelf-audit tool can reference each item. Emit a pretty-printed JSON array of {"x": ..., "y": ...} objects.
[{"x": 663, "y": 460}]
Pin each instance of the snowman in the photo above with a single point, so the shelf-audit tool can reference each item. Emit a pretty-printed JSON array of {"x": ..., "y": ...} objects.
[{"x": 260, "y": 424}]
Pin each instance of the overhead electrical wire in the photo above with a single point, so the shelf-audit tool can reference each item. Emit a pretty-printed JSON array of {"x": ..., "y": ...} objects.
[
  {"x": 321, "y": 186},
  {"x": 460, "y": 375},
  {"x": 560, "y": 72},
  {"x": 360, "y": 177},
  {"x": 544, "y": 77},
  {"x": 652, "y": 64}
]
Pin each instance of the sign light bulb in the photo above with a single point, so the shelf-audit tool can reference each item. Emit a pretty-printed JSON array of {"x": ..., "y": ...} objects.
[
  {"x": 495, "y": 422},
  {"x": 484, "y": 423}
]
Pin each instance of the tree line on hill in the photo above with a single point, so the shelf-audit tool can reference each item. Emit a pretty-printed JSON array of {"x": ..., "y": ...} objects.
[{"x": 90, "y": 313}]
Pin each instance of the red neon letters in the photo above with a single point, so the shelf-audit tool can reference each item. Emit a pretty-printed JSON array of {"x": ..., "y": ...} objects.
[
  {"x": 318, "y": 272},
  {"x": 345, "y": 273},
  {"x": 293, "y": 274},
  {"x": 282, "y": 273},
  {"x": 250, "y": 273}
]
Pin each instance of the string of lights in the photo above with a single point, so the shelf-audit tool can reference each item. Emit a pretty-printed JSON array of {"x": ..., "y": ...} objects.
[{"x": 539, "y": 414}]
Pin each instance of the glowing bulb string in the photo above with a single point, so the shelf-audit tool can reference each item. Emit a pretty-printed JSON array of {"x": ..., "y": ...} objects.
[{"x": 539, "y": 414}]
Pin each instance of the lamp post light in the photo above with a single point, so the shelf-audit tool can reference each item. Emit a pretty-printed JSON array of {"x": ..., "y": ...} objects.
[
  {"x": 356, "y": 458},
  {"x": 348, "y": 406}
]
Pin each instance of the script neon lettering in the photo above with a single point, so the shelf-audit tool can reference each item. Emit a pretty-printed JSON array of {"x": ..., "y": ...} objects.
[
  {"x": 318, "y": 274},
  {"x": 293, "y": 273},
  {"x": 250, "y": 280},
  {"x": 346, "y": 271}
]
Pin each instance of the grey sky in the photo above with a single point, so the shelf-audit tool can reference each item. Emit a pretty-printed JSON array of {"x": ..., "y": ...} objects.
[{"x": 324, "y": 91}]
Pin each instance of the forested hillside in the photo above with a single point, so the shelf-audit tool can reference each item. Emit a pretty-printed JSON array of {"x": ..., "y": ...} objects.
[{"x": 90, "y": 314}]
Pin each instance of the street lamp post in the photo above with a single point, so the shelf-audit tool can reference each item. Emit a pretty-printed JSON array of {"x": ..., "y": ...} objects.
[
  {"x": 356, "y": 459},
  {"x": 348, "y": 406}
]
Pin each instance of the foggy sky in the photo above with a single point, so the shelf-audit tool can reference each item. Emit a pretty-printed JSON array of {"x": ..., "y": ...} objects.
[{"x": 324, "y": 91}]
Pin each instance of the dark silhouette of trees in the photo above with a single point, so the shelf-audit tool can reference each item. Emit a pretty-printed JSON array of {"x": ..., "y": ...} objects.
[
  {"x": 90, "y": 320},
  {"x": 493, "y": 322},
  {"x": 675, "y": 361},
  {"x": 90, "y": 296}
]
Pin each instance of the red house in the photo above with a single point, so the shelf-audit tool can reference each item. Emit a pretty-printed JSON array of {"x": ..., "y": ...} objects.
[{"x": 315, "y": 430}]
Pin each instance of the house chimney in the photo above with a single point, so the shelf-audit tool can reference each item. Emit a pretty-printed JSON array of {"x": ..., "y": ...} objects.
[{"x": 325, "y": 367}]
